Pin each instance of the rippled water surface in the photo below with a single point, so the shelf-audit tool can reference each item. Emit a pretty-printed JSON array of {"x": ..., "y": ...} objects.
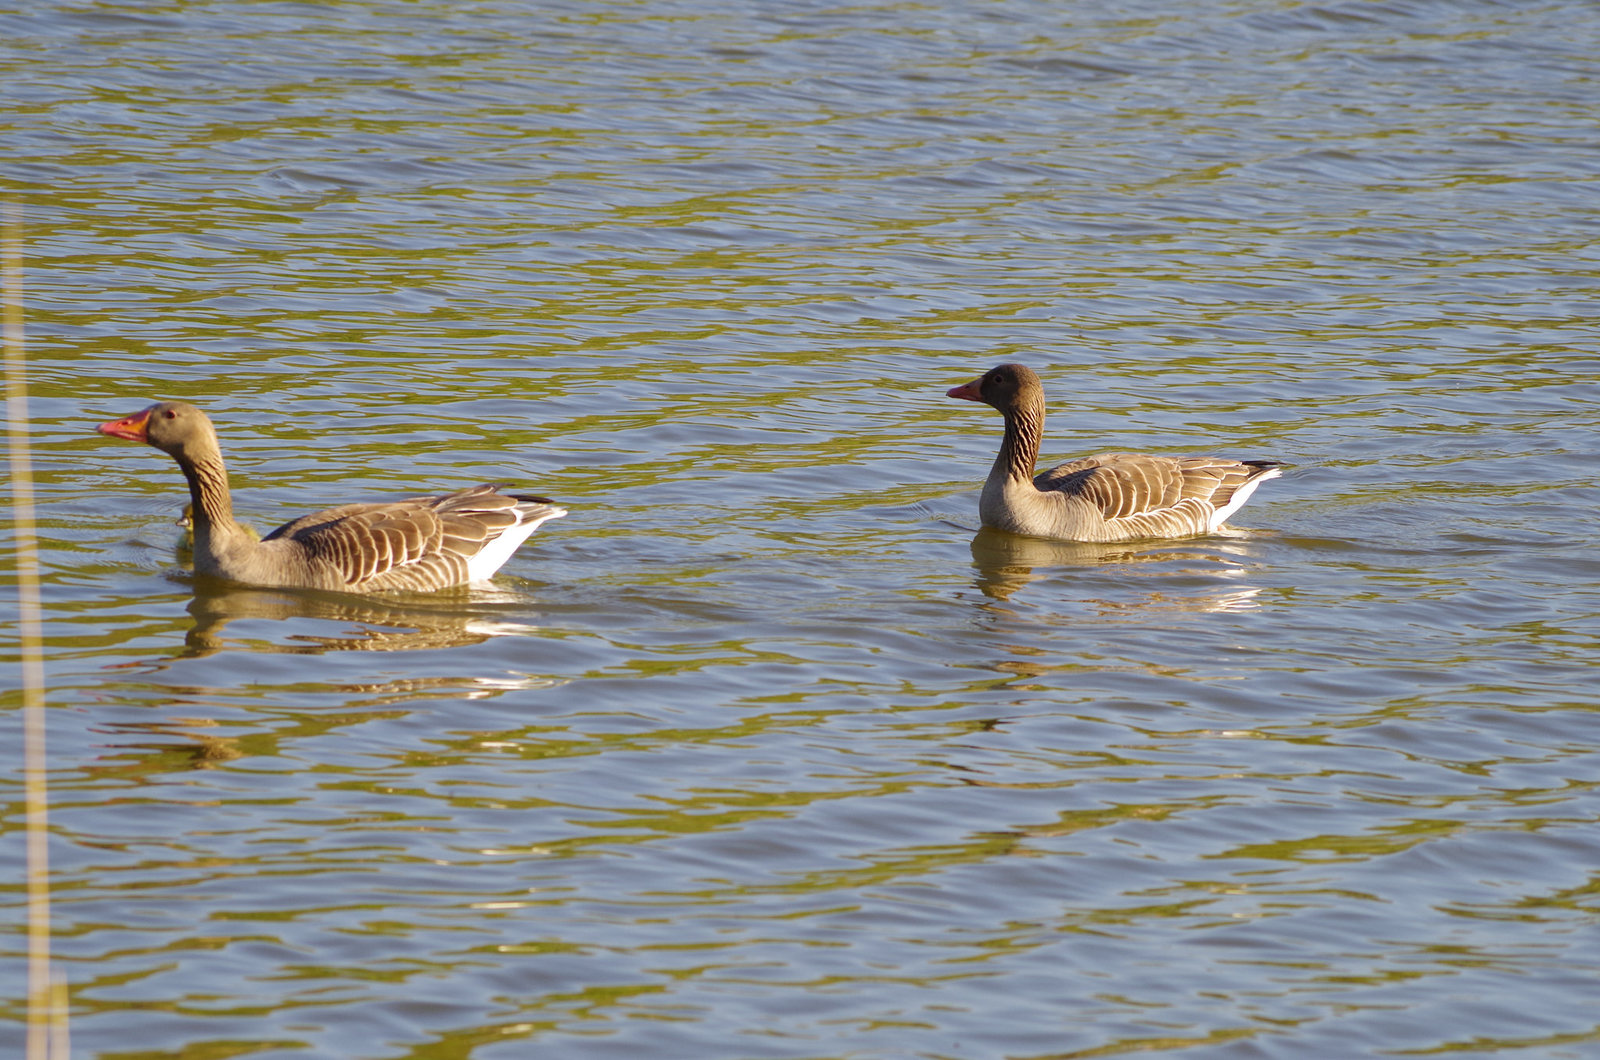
[{"x": 765, "y": 751}]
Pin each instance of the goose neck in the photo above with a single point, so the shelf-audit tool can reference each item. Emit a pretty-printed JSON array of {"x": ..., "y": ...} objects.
[
  {"x": 1019, "y": 450},
  {"x": 208, "y": 490}
]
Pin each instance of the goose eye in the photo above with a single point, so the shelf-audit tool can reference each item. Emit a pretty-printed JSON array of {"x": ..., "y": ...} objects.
[{"x": 171, "y": 415}]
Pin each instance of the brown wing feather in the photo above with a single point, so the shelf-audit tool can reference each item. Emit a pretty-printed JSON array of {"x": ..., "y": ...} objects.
[
  {"x": 1155, "y": 495},
  {"x": 416, "y": 543},
  {"x": 1119, "y": 484},
  {"x": 1210, "y": 479}
]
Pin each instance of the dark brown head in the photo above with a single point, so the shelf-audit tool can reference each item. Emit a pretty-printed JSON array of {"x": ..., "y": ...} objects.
[
  {"x": 175, "y": 427},
  {"x": 1005, "y": 386}
]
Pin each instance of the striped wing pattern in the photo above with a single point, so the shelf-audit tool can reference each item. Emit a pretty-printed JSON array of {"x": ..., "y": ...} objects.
[
  {"x": 419, "y": 543},
  {"x": 1155, "y": 496}
]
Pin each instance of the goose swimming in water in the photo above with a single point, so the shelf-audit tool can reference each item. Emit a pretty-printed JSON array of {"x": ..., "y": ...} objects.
[
  {"x": 420, "y": 543},
  {"x": 1105, "y": 497}
]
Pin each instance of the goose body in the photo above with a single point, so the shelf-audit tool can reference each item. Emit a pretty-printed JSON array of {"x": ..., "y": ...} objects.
[
  {"x": 1105, "y": 497},
  {"x": 420, "y": 543}
]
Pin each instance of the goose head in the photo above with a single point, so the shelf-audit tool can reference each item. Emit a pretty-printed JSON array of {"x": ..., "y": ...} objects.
[
  {"x": 175, "y": 427},
  {"x": 1005, "y": 387}
]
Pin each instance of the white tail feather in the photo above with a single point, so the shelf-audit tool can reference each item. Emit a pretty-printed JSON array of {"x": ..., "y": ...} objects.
[
  {"x": 493, "y": 555},
  {"x": 1239, "y": 497}
]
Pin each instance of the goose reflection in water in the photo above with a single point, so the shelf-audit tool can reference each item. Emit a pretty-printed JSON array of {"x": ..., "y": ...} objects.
[
  {"x": 166, "y": 746},
  {"x": 389, "y": 624},
  {"x": 181, "y": 742},
  {"x": 1007, "y": 562}
]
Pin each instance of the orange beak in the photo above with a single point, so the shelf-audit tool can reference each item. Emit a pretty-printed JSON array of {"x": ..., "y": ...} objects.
[
  {"x": 965, "y": 390},
  {"x": 134, "y": 428}
]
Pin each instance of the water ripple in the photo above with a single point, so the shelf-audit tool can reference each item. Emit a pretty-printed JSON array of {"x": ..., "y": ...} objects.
[{"x": 766, "y": 750}]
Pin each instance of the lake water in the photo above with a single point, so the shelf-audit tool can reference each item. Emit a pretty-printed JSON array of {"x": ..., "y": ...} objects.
[{"x": 764, "y": 751}]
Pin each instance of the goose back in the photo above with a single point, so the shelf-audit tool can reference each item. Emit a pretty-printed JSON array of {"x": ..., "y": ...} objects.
[{"x": 419, "y": 543}]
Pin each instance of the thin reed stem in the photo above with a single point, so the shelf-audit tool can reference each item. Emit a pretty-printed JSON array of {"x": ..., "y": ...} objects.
[{"x": 47, "y": 1023}]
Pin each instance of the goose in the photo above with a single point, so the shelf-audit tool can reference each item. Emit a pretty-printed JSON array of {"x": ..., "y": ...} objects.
[
  {"x": 1105, "y": 497},
  {"x": 421, "y": 543}
]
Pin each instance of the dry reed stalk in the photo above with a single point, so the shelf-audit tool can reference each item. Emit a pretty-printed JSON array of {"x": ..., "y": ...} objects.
[{"x": 47, "y": 996}]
